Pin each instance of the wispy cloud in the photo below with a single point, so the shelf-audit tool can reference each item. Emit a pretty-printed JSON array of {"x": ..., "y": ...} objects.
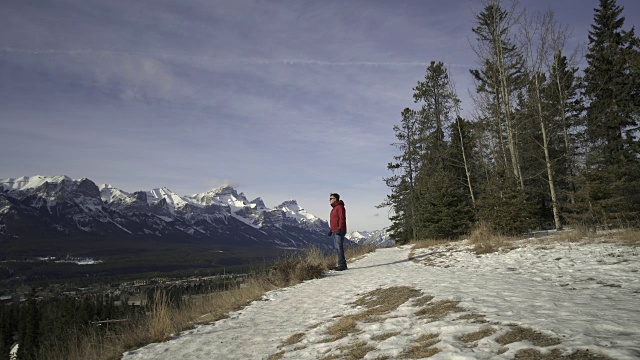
[{"x": 211, "y": 60}]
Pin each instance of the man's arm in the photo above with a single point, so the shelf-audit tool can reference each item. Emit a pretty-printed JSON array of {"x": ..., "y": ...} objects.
[{"x": 343, "y": 220}]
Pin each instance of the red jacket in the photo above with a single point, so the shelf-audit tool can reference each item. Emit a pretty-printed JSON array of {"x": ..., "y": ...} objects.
[{"x": 338, "y": 217}]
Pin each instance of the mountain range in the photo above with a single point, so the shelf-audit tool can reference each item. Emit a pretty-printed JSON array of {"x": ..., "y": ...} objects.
[{"x": 60, "y": 216}]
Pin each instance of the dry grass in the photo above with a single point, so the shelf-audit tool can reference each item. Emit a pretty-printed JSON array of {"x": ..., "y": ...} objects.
[
  {"x": 421, "y": 301},
  {"x": 486, "y": 241},
  {"x": 276, "y": 356},
  {"x": 377, "y": 303},
  {"x": 427, "y": 243},
  {"x": 476, "y": 318},
  {"x": 556, "y": 354},
  {"x": 573, "y": 236},
  {"x": 343, "y": 327},
  {"x": 423, "y": 347},
  {"x": 160, "y": 323},
  {"x": 475, "y": 336},
  {"x": 293, "y": 339},
  {"x": 440, "y": 309},
  {"x": 355, "y": 351},
  {"x": 382, "y": 301},
  {"x": 627, "y": 237},
  {"x": 164, "y": 320},
  {"x": 385, "y": 336},
  {"x": 519, "y": 333}
]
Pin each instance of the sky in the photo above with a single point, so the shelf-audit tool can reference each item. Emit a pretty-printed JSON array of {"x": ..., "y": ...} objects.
[
  {"x": 584, "y": 296},
  {"x": 280, "y": 99}
]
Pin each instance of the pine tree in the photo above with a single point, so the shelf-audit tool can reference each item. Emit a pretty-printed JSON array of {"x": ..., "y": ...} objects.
[
  {"x": 564, "y": 105},
  {"x": 500, "y": 79},
  {"x": 609, "y": 189},
  {"x": 444, "y": 208},
  {"x": 6, "y": 334},
  {"x": 402, "y": 182},
  {"x": 506, "y": 208},
  {"x": 29, "y": 335}
]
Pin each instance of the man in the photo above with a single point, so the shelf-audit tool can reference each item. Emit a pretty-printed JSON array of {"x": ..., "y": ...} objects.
[{"x": 338, "y": 224}]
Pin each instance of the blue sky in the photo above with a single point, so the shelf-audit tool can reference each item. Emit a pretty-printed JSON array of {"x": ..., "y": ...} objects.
[{"x": 280, "y": 99}]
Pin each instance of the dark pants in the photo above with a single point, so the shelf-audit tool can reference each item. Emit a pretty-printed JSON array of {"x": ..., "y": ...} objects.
[{"x": 338, "y": 242}]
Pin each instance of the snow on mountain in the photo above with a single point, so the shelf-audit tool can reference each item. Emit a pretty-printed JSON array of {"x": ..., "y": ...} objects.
[
  {"x": 293, "y": 210},
  {"x": 143, "y": 209},
  {"x": 222, "y": 196},
  {"x": 214, "y": 204},
  {"x": 61, "y": 208},
  {"x": 173, "y": 200},
  {"x": 259, "y": 204},
  {"x": 109, "y": 194},
  {"x": 30, "y": 182},
  {"x": 378, "y": 238}
]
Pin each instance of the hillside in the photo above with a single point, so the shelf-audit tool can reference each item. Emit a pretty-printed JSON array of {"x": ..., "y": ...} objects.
[{"x": 536, "y": 299}]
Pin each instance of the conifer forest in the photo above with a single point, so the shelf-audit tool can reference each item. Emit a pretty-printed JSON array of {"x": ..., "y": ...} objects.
[{"x": 553, "y": 139}]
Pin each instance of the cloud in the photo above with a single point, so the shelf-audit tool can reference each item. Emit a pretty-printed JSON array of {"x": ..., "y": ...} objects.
[{"x": 215, "y": 183}]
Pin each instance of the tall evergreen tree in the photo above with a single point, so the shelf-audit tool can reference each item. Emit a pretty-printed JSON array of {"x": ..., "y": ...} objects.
[
  {"x": 443, "y": 208},
  {"x": 609, "y": 191},
  {"x": 564, "y": 106},
  {"x": 402, "y": 182},
  {"x": 29, "y": 335},
  {"x": 6, "y": 333},
  {"x": 501, "y": 79}
]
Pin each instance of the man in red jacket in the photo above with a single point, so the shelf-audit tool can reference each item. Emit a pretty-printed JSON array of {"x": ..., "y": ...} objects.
[{"x": 338, "y": 224}]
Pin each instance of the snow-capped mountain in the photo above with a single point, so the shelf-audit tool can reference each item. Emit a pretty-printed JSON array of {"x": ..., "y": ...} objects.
[
  {"x": 54, "y": 208},
  {"x": 378, "y": 238}
]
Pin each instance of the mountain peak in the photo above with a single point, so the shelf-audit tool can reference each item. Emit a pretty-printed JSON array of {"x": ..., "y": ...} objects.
[
  {"x": 223, "y": 190},
  {"x": 31, "y": 182},
  {"x": 258, "y": 202},
  {"x": 289, "y": 202}
]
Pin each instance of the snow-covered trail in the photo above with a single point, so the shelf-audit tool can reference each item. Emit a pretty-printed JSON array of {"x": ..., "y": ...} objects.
[{"x": 568, "y": 293}]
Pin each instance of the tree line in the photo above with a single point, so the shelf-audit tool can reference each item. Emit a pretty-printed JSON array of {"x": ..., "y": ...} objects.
[
  {"x": 548, "y": 144},
  {"x": 39, "y": 325}
]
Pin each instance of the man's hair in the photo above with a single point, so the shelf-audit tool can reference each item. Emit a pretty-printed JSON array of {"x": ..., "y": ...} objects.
[{"x": 335, "y": 195}]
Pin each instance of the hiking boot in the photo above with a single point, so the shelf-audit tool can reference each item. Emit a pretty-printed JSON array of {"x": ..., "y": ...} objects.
[{"x": 341, "y": 268}]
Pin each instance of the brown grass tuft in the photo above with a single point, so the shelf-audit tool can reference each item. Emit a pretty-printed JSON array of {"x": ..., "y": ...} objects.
[
  {"x": 627, "y": 237},
  {"x": 376, "y": 303},
  {"x": 476, "y": 318},
  {"x": 556, "y": 354},
  {"x": 276, "y": 356},
  {"x": 519, "y": 333},
  {"x": 293, "y": 339},
  {"x": 440, "y": 309},
  {"x": 423, "y": 347},
  {"x": 573, "y": 236},
  {"x": 385, "y": 336},
  {"x": 343, "y": 327},
  {"x": 421, "y": 301},
  {"x": 160, "y": 322},
  {"x": 485, "y": 240},
  {"x": 382, "y": 301},
  {"x": 480, "y": 334},
  {"x": 427, "y": 243},
  {"x": 355, "y": 351}
]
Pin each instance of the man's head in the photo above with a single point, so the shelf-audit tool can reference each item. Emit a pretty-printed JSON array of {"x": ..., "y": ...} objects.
[{"x": 333, "y": 198}]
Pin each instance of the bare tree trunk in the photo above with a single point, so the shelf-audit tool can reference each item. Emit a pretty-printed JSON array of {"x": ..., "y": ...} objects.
[
  {"x": 467, "y": 170},
  {"x": 505, "y": 96},
  {"x": 558, "y": 36},
  {"x": 529, "y": 29}
]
